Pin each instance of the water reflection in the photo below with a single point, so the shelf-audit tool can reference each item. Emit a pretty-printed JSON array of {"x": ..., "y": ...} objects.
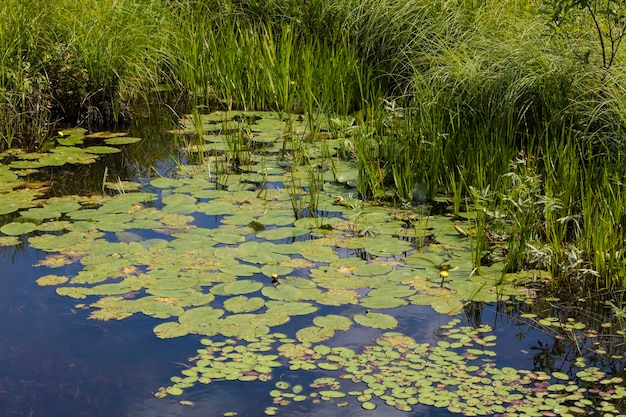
[{"x": 54, "y": 362}]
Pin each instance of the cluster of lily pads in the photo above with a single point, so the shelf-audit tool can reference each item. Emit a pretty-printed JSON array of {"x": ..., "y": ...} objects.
[
  {"x": 17, "y": 192},
  {"x": 458, "y": 373},
  {"x": 254, "y": 232},
  {"x": 222, "y": 249}
]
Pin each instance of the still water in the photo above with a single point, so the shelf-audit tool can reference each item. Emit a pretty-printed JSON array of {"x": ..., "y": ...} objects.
[{"x": 55, "y": 362}]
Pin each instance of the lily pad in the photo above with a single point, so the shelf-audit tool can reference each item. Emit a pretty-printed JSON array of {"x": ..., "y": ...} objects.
[
  {"x": 9, "y": 241},
  {"x": 243, "y": 304},
  {"x": 333, "y": 321},
  {"x": 282, "y": 233},
  {"x": 314, "y": 334},
  {"x": 17, "y": 228},
  {"x": 101, "y": 149},
  {"x": 52, "y": 280},
  {"x": 372, "y": 269},
  {"x": 122, "y": 140},
  {"x": 376, "y": 320}
]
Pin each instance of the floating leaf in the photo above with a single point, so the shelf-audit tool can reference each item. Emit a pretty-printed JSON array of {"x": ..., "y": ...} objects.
[
  {"x": 278, "y": 270},
  {"x": 9, "y": 241},
  {"x": 376, "y": 320},
  {"x": 122, "y": 140},
  {"x": 382, "y": 302},
  {"x": 101, "y": 149},
  {"x": 17, "y": 229},
  {"x": 368, "y": 405},
  {"x": 40, "y": 214},
  {"x": 372, "y": 269},
  {"x": 179, "y": 203},
  {"x": 243, "y": 304},
  {"x": 392, "y": 291},
  {"x": 560, "y": 375},
  {"x": 291, "y": 308},
  {"x": 163, "y": 182},
  {"x": 338, "y": 297},
  {"x": 333, "y": 321},
  {"x": 200, "y": 315},
  {"x": 314, "y": 334},
  {"x": 52, "y": 280},
  {"x": 244, "y": 286},
  {"x": 283, "y": 292},
  {"x": 332, "y": 394},
  {"x": 282, "y": 233}
]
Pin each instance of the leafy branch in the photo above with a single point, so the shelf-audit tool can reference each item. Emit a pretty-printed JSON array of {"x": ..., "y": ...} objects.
[{"x": 606, "y": 17}]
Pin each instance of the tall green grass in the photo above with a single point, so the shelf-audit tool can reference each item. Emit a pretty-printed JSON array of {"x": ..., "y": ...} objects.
[
  {"x": 74, "y": 62},
  {"x": 227, "y": 58}
]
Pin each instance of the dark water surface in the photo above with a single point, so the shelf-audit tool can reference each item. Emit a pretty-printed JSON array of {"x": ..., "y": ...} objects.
[{"x": 55, "y": 362}]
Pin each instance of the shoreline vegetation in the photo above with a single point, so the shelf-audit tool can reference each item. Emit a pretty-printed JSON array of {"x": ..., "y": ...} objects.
[{"x": 487, "y": 102}]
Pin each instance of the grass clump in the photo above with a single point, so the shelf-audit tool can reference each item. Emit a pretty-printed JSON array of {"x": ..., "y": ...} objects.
[{"x": 76, "y": 62}]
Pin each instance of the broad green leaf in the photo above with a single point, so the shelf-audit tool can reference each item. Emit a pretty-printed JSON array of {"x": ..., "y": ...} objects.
[
  {"x": 243, "y": 304},
  {"x": 376, "y": 320},
  {"x": 282, "y": 233},
  {"x": 17, "y": 229},
  {"x": 314, "y": 334},
  {"x": 333, "y": 321}
]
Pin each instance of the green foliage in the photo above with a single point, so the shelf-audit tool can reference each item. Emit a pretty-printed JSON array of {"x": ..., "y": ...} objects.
[
  {"x": 603, "y": 21},
  {"x": 74, "y": 61}
]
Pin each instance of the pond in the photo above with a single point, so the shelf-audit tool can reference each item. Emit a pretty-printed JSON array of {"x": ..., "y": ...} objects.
[{"x": 223, "y": 265}]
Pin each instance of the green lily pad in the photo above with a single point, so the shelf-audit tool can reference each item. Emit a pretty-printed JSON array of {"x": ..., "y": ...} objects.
[
  {"x": 392, "y": 291},
  {"x": 376, "y": 320},
  {"x": 171, "y": 330},
  {"x": 560, "y": 375},
  {"x": 123, "y": 186},
  {"x": 101, "y": 150},
  {"x": 372, "y": 269},
  {"x": 368, "y": 405},
  {"x": 333, "y": 321},
  {"x": 52, "y": 280},
  {"x": 314, "y": 334},
  {"x": 163, "y": 182},
  {"x": 283, "y": 292},
  {"x": 282, "y": 233},
  {"x": 242, "y": 270},
  {"x": 244, "y": 286},
  {"x": 332, "y": 394},
  {"x": 17, "y": 229},
  {"x": 40, "y": 214},
  {"x": 290, "y": 308},
  {"x": 382, "y": 302},
  {"x": 104, "y": 134},
  {"x": 9, "y": 241},
  {"x": 243, "y": 304},
  {"x": 122, "y": 140}
]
